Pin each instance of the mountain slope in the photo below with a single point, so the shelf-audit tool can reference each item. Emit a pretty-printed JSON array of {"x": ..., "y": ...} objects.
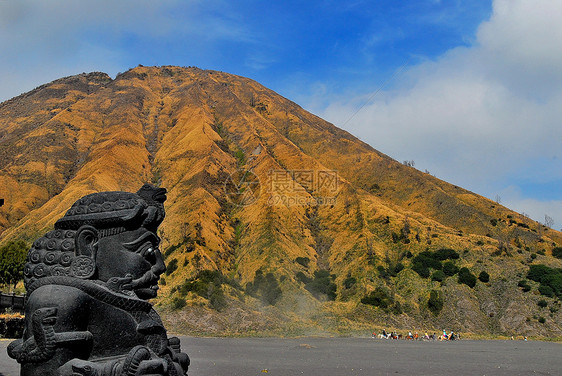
[{"x": 302, "y": 219}]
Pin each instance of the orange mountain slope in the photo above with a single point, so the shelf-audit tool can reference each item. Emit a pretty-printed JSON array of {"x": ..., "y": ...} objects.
[{"x": 262, "y": 190}]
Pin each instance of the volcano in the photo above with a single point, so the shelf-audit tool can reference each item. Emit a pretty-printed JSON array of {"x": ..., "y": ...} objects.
[{"x": 277, "y": 221}]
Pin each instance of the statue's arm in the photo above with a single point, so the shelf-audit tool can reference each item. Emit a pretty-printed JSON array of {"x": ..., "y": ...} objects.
[{"x": 56, "y": 330}]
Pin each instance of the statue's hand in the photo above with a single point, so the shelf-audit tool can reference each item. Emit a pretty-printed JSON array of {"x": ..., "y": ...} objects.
[
  {"x": 183, "y": 360},
  {"x": 153, "y": 367},
  {"x": 179, "y": 357},
  {"x": 140, "y": 362}
]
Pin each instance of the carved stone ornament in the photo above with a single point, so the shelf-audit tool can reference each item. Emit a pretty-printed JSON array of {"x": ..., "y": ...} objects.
[
  {"x": 82, "y": 267},
  {"x": 88, "y": 284}
]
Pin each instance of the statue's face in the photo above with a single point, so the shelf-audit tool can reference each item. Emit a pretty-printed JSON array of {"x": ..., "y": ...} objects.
[{"x": 133, "y": 253}]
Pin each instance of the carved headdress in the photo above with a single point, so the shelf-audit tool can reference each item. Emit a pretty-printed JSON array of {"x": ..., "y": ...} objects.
[
  {"x": 112, "y": 210},
  {"x": 109, "y": 213}
]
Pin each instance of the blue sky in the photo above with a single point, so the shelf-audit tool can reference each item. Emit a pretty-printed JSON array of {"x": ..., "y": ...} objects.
[{"x": 469, "y": 90}]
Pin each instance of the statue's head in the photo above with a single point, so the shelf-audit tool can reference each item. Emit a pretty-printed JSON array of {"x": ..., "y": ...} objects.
[{"x": 105, "y": 236}]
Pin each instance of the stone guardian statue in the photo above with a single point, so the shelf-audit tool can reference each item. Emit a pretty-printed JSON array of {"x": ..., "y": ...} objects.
[{"x": 88, "y": 284}]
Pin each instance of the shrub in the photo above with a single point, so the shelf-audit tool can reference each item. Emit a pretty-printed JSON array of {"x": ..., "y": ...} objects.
[
  {"x": 349, "y": 282},
  {"x": 524, "y": 285},
  {"x": 546, "y": 291},
  {"x": 542, "y": 320},
  {"x": 557, "y": 252},
  {"x": 322, "y": 284},
  {"x": 542, "y": 303},
  {"x": 265, "y": 287},
  {"x": 211, "y": 276},
  {"x": 217, "y": 299},
  {"x": 12, "y": 260},
  {"x": 554, "y": 281},
  {"x": 435, "y": 302},
  {"x": 537, "y": 272},
  {"x": 446, "y": 254},
  {"x": 383, "y": 273},
  {"x": 178, "y": 303},
  {"x": 208, "y": 284},
  {"x": 428, "y": 259},
  {"x": 170, "y": 250},
  {"x": 396, "y": 269},
  {"x": 391, "y": 271},
  {"x": 425, "y": 261},
  {"x": 422, "y": 270},
  {"x": 172, "y": 266},
  {"x": 433, "y": 260},
  {"x": 550, "y": 279},
  {"x": 378, "y": 298},
  {"x": 397, "y": 308},
  {"x": 304, "y": 261},
  {"x": 271, "y": 292},
  {"x": 203, "y": 284},
  {"x": 450, "y": 269},
  {"x": 484, "y": 277},
  {"x": 301, "y": 277},
  {"x": 466, "y": 277},
  {"x": 438, "y": 276}
]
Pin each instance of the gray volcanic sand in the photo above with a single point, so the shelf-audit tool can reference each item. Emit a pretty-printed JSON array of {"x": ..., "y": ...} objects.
[{"x": 357, "y": 356}]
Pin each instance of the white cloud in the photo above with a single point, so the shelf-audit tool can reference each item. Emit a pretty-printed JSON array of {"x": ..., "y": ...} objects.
[
  {"x": 45, "y": 40},
  {"x": 480, "y": 115},
  {"x": 521, "y": 45},
  {"x": 259, "y": 61},
  {"x": 512, "y": 197}
]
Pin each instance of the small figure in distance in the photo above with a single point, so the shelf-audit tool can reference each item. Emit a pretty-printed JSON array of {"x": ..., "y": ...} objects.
[{"x": 384, "y": 334}]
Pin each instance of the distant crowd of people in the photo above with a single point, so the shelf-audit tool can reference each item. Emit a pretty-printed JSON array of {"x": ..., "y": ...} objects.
[{"x": 452, "y": 336}]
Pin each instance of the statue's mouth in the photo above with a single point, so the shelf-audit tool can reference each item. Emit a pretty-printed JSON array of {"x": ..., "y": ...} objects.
[
  {"x": 144, "y": 287},
  {"x": 148, "y": 280}
]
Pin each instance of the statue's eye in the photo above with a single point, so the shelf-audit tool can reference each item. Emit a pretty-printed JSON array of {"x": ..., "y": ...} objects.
[{"x": 148, "y": 252}]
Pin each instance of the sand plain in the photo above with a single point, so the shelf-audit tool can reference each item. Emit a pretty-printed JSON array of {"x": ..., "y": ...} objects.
[{"x": 319, "y": 356}]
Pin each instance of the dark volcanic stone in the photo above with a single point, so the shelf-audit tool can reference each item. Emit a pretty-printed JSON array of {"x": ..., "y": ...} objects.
[{"x": 88, "y": 282}]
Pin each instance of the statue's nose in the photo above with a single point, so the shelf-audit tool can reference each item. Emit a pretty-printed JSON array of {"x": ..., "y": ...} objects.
[{"x": 159, "y": 267}]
